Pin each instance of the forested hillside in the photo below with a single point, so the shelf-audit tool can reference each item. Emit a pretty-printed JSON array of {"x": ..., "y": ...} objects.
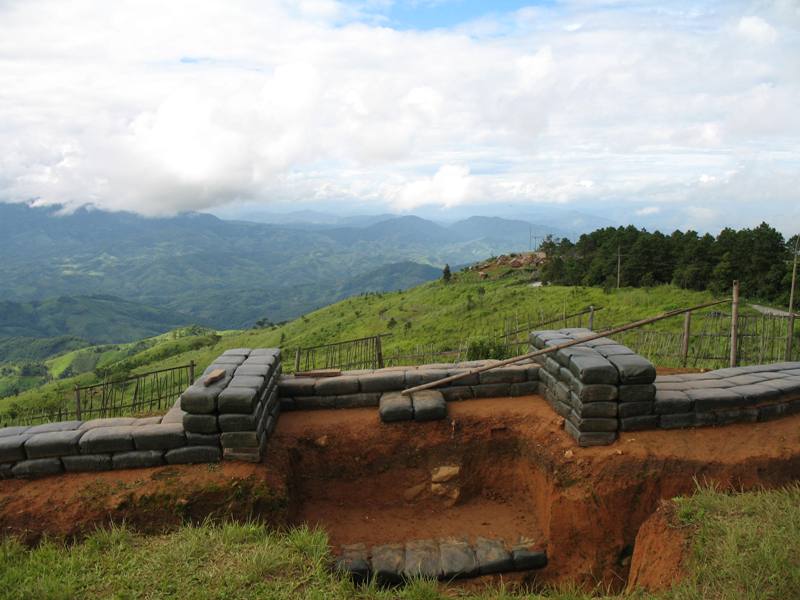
[{"x": 760, "y": 258}]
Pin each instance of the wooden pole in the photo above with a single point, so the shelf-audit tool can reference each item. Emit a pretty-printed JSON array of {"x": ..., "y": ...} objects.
[
  {"x": 297, "y": 360},
  {"x": 77, "y": 403},
  {"x": 734, "y": 324},
  {"x": 794, "y": 274},
  {"x": 619, "y": 265},
  {"x": 379, "y": 351},
  {"x": 591, "y": 318},
  {"x": 549, "y": 349},
  {"x": 687, "y": 328},
  {"x": 789, "y": 336}
]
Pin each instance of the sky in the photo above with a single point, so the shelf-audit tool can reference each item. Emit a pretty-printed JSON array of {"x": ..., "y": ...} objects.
[{"x": 662, "y": 114}]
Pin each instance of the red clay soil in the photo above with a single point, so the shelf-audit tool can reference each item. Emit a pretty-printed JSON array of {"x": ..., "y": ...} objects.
[
  {"x": 364, "y": 481},
  {"x": 659, "y": 553}
]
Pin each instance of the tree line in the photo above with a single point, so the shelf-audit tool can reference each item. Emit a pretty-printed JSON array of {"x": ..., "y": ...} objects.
[{"x": 760, "y": 258}]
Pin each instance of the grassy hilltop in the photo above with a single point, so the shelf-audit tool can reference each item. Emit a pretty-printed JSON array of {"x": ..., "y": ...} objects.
[{"x": 436, "y": 315}]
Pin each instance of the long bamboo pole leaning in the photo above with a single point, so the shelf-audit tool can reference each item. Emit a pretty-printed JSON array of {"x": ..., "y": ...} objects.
[{"x": 550, "y": 349}]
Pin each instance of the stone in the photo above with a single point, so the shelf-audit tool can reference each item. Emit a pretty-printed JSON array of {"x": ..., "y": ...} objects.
[
  {"x": 38, "y": 467},
  {"x": 492, "y": 556},
  {"x": 388, "y": 562},
  {"x": 428, "y": 405},
  {"x": 114, "y": 422},
  {"x": 200, "y": 423},
  {"x": 107, "y": 439},
  {"x": 354, "y": 561},
  {"x": 633, "y": 368},
  {"x": 240, "y": 400},
  {"x": 159, "y": 437},
  {"x": 193, "y": 454},
  {"x": 60, "y": 426},
  {"x": 53, "y": 443},
  {"x": 414, "y": 492},
  {"x": 12, "y": 447},
  {"x": 138, "y": 459},
  {"x": 422, "y": 560},
  {"x": 445, "y": 473},
  {"x": 457, "y": 559},
  {"x": 86, "y": 462},
  {"x": 395, "y": 406},
  {"x": 382, "y": 381}
]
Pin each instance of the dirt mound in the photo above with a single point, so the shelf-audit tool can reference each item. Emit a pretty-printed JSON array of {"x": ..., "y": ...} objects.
[{"x": 659, "y": 553}]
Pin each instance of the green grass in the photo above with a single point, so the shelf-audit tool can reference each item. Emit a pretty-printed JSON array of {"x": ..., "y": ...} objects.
[{"x": 744, "y": 546}]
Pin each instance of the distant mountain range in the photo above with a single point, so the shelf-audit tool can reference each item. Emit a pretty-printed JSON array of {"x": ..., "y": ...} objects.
[{"x": 229, "y": 274}]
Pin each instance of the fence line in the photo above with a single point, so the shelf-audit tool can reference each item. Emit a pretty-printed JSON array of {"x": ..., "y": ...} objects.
[
  {"x": 150, "y": 392},
  {"x": 361, "y": 353}
]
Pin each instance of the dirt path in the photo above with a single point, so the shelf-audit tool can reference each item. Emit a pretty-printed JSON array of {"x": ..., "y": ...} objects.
[{"x": 766, "y": 310}]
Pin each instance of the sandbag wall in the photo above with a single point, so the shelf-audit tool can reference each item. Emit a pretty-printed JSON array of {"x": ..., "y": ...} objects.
[
  {"x": 363, "y": 388},
  {"x": 239, "y": 412},
  {"x": 596, "y": 386}
]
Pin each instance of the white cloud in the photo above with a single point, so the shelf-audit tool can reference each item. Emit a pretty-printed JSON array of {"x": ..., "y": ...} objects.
[
  {"x": 161, "y": 107},
  {"x": 648, "y": 211}
]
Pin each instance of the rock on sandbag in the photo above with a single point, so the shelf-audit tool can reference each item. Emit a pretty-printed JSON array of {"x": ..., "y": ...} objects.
[
  {"x": 388, "y": 563},
  {"x": 457, "y": 559},
  {"x": 395, "y": 406},
  {"x": 492, "y": 556},
  {"x": 422, "y": 560},
  {"x": 429, "y": 405}
]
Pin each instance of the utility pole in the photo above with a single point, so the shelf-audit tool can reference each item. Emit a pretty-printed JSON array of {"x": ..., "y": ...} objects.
[{"x": 619, "y": 265}]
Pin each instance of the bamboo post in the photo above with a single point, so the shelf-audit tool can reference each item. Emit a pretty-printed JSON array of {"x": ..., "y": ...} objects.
[
  {"x": 191, "y": 371},
  {"x": 379, "y": 351},
  {"x": 550, "y": 349},
  {"x": 591, "y": 318},
  {"x": 735, "y": 324},
  {"x": 789, "y": 336},
  {"x": 77, "y": 403},
  {"x": 687, "y": 329},
  {"x": 297, "y": 360}
]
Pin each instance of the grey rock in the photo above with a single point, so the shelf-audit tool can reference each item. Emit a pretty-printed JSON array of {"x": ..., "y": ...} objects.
[
  {"x": 158, "y": 437},
  {"x": 86, "y": 462},
  {"x": 422, "y": 560},
  {"x": 60, "y": 426},
  {"x": 38, "y": 467},
  {"x": 137, "y": 459},
  {"x": 200, "y": 423},
  {"x": 354, "y": 561},
  {"x": 457, "y": 559},
  {"x": 193, "y": 454},
  {"x": 53, "y": 443},
  {"x": 382, "y": 381},
  {"x": 429, "y": 405},
  {"x": 240, "y": 400},
  {"x": 492, "y": 556},
  {"x": 388, "y": 563},
  {"x": 12, "y": 447},
  {"x": 107, "y": 439},
  {"x": 562, "y": 357},
  {"x": 394, "y": 406}
]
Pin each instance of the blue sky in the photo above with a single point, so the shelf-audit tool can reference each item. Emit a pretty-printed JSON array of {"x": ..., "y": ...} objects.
[{"x": 669, "y": 114}]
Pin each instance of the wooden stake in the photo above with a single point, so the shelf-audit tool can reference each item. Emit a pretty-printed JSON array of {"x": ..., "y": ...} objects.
[
  {"x": 794, "y": 274},
  {"x": 735, "y": 324},
  {"x": 549, "y": 349},
  {"x": 789, "y": 336},
  {"x": 687, "y": 327}
]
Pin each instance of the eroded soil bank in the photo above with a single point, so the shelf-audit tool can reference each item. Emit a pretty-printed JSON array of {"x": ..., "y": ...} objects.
[{"x": 518, "y": 475}]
